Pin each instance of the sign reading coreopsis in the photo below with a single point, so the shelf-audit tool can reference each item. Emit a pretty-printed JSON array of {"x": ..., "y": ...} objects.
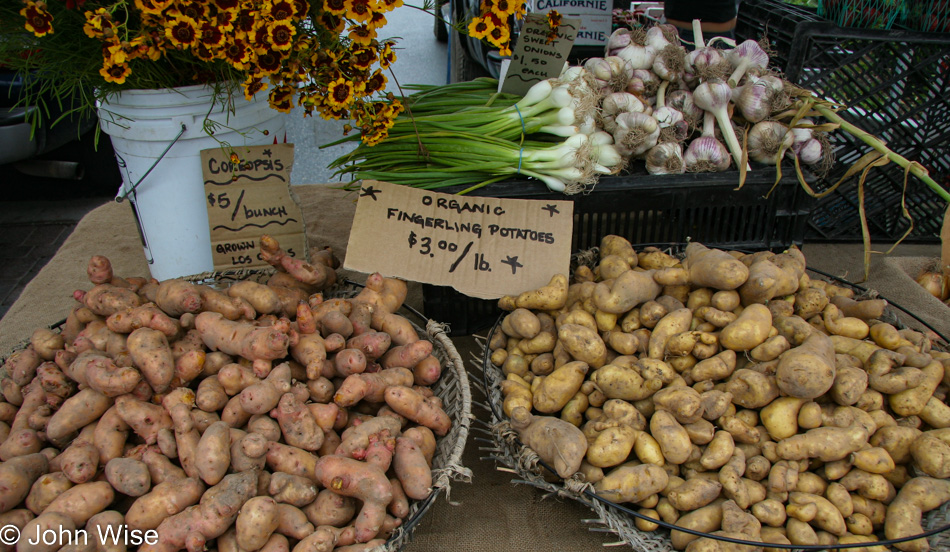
[
  {"x": 483, "y": 247},
  {"x": 247, "y": 192}
]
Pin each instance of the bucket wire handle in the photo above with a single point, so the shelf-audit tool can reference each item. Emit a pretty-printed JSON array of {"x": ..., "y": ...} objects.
[{"x": 124, "y": 193}]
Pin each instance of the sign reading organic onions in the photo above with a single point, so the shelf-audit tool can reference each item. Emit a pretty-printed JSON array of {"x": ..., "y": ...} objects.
[
  {"x": 540, "y": 53},
  {"x": 482, "y": 246}
]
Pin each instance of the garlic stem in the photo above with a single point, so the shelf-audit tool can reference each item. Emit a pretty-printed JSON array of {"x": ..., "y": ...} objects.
[
  {"x": 915, "y": 168},
  {"x": 698, "y": 34},
  {"x": 714, "y": 97}
]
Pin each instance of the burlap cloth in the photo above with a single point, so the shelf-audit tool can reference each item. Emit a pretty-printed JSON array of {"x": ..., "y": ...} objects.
[{"x": 491, "y": 513}]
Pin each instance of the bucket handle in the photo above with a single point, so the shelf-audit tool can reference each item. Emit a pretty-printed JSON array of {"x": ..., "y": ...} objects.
[{"x": 124, "y": 193}]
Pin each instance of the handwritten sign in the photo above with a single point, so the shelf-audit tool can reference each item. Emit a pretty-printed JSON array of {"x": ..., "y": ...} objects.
[
  {"x": 247, "y": 197},
  {"x": 538, "y": 54},
  {"x": 482, "y": 246}
]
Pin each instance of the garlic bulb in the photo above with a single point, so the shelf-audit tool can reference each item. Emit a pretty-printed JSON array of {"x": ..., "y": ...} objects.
[
  {"x": 768, "y": 141},
  {"x": 635, "y": 133},
  {"x": 618, "y": 40},
  {"x": 810, "y": 152},
  {"x": 706, "y": 154},
  {"x": 616, "y": 102},
  {"x": 755, "y": 101},
  {"x": 682, "y": 101},
  {"x": 665, "y": 158},
  {"x": 639, "y": 57},
  {"x": 670, "y": 62}
]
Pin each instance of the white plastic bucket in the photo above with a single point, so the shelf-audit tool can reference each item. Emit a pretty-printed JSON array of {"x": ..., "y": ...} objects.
[{"x": 169, "y": 203}]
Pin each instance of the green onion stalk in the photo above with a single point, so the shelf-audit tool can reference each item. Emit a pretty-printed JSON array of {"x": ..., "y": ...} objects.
[{"x": 483, "y": 138}]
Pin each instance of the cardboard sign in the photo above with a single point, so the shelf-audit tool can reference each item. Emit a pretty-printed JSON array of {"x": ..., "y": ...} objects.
[
  {"x": 482, "y": 246},
  {"x": 537, "y": 57},
  {"x": 249, "y": 198},
  {"x": 595, "y": 16}
]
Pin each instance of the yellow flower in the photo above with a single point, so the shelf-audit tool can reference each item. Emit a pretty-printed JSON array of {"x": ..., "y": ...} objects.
[
  {"x": 376, "y": 82},
  {"x": 363, "y": 58},
  {"x": 281, "y": 10},
  {"x": 479, "y": 27},
  {"x": 362, "y": 35},
  {"x": 115, "y": 72},
  {"x": 152, "y": 7},
  {"x": 237, "y": 53},
  {"x": 280, "y": 35},
  {"x": 38, "y": 20},
  {"x": 499, "y": 36},
  {"x": 340, "y": 93},
  {"x": 387, "y": 57},
  {"x": 281, "y": 98},
  {"x": 389, "y": 5},
  {"x": 335, "y": 7},
  {"x": 99, "y": 24},
  {"x": 182, "y": 31},
  {"x": 252, "y": 86},
  {"x": 376, "y": 21},
  {"x": 360, "y": 10}
]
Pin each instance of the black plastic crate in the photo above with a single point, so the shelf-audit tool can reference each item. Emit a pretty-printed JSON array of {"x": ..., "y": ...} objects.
[
  {"x": 703, "y": 207},
  {"x": 896, "y": 85},
  {"x": 776, "y": 22}
]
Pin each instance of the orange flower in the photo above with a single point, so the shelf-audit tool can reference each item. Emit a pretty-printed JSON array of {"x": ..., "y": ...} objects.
[
  {"x": 38, "y": 20},
  {"x": 115, "y": 72},
  {"x": 182, "y": 31}
]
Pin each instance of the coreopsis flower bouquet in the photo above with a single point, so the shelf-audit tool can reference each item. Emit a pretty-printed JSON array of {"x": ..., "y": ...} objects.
[{"x": 326, "y": 56}]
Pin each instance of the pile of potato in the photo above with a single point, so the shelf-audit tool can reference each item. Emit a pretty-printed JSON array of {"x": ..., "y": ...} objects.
[
  {"x": 730, "y": 394},
  {"x": 257, "y": 417}
]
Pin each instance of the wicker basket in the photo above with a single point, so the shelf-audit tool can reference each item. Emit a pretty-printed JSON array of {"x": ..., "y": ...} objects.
[
  {"x": 508, "y": 451},
  {"x": 452, "y": 388}
]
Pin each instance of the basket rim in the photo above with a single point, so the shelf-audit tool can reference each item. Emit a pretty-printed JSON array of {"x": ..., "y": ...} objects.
[{"x": 451, "y": 467}]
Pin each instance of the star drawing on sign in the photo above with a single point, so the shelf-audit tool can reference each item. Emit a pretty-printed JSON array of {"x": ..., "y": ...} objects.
[
  {"x": 513, "y": 262},
  {"x": 370, "y": 191},
  {"x": 267, "y": 152},
  {"x": 551, "y": 209}
]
